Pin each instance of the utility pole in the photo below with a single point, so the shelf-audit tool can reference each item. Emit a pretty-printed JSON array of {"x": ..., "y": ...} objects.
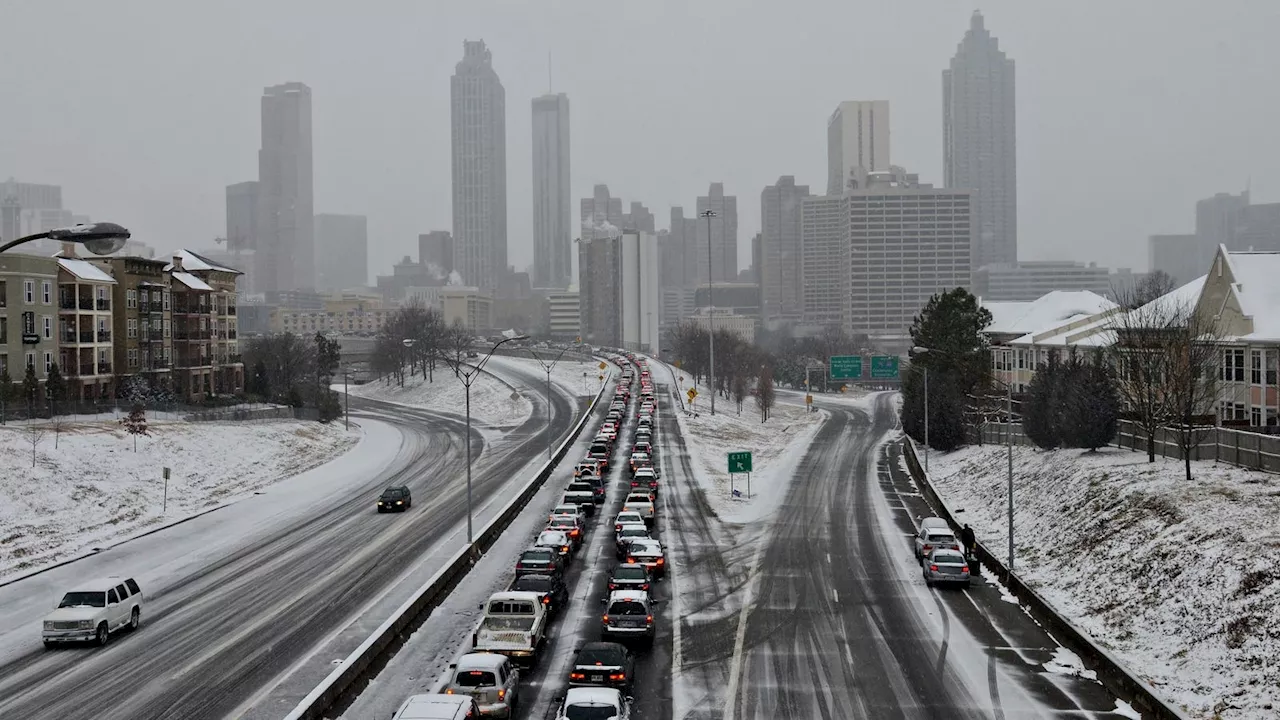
[{"x": 711, "y": 314}]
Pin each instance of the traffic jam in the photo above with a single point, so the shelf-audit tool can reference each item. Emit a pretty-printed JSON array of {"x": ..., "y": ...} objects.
[{"x": 512, "y": 635}]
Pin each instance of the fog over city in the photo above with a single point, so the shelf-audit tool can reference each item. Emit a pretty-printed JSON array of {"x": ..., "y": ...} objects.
[{"x": 144, "y": 110}]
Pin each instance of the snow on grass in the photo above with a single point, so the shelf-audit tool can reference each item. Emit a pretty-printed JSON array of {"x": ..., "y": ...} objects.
[
  {"x": 1179, "y": 579},
  {"x": 493, "y": 402},
  {"x": 577, "y": 377},
  {"x": 776, "y": 447},
  {"x": 93, "y": 489}
]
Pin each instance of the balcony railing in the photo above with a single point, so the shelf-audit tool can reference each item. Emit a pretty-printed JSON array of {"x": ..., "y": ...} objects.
[
  {"x": 190, "y": 334},
  {"x": 144, "y": 307},
  {"x": 235, "y": 359},
  {"x": 231, "y": 334},
  {"x": 104, "y": 336},
  {"x": 86, "y": 368},
  {"x": 86, "y": 336},
  {"x": 67, "y": 336},
  {"x": 85, "y": 303},
  {"x": 104, "y": 368},
  {"x": 104, "y": 304},
  {"x": 231, "y": 310},
  {"x": 67, "y": 303}
]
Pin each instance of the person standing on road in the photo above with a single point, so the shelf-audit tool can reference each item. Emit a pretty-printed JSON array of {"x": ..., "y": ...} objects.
[{"x": 966, "y": 537}]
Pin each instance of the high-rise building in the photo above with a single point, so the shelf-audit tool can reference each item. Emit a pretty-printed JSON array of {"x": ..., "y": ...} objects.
[
  {"x": 1026, "y": 281},
  {"x": 778, "y": 268},
  {"x": 600, "y": 210},
  {"x": 1182, "y": 257},
  {"x": 1258, "y": 228},
  {"x": 1216, "y": 220},
  {"x": 32, "y": 195},
  {"x": 639, "y": 218},
  {"x": 598, "y": 283},
  {"x": 980, "y": 140},
  {"x": 552, "y": 232},
  {"x": 857, "y": 141},
  {"x": 724, "y": 235},
  {"x": 869, "y": 265},
  {"x": 640, "y": 294},
  {"x": 243, "y": 205},
  {"x": 342, "y": 251},
  {"x": 436, "y": 248},
  {"x": 479, "y": 118},
  {"x": 285, "y": 255}
]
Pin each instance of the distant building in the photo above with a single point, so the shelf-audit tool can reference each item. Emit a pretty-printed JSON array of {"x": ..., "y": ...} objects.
[
  {"x": 639, "y": 218},
  {"x": 342, "y": 251},
  {"x": 285, "y": 250},
  {"x": 601, "y": 210},
  {"x": 869, "y": 264},
  {"x": 436, "y": 248},
  {"x": 85, "y": 353},
  {"x": 680, "y": 249},
  {"x": 553, "y": 232},
  {"x": 780, "y": 247},
  {"x": 1257, "y": 227},
  {"x": 727, "y": 320},
  {"x": 564, "y": 322},
  {"x": 677, "y": 305},
  {"x": 1182, "y": 257},
  {"x": 742, "y": 298},
  {"x": 857, "y": 140},
  {"x": 1216, "y": 221},
  {"x": 1027, "y": 281},
  {"x": 470, "y": 306},
  {"x": 243, "y": 205},
  {"x": 29, "y": 315},
  {"x": 620, "y": 295},
  {"x": 479, "y": 121},
  {"x": 724, "y": 235},
  {"x": 141, "y": 323},
  {"x": 980, "y": 140}
]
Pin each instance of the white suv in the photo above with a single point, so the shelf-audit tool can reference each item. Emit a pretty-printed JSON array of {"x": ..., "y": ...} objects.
[{"x": 94, "y": 610}]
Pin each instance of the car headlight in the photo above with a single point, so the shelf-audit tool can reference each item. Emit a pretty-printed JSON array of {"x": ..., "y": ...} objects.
[
  {"x": 399, "y": 502},
  {"x": 48, "y": 624},
  {"x": 86, "y": 624}
]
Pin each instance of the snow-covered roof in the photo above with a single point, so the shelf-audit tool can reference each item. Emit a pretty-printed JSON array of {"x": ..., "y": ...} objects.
[
  {"x": 194, "y": 261},
  {"x": 1173, "y": 306},
  {"x": 85, "y": 270},
  {"x": 1056, "y": 308},
  {"x": 1257, "y": 287},
  {"x": 481, "y": 661},
  {"x": 191, "y": 281}
]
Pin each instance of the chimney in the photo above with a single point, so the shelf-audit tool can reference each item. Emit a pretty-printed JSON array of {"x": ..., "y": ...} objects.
[
  {"x": 177, "y": 263},
  {"x": 68, "y": 249}
]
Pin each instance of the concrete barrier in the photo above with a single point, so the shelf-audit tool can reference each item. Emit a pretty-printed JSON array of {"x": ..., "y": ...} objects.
[
  {"x": 363, "y": 663},
  {"x": 1111, "y": 672}
]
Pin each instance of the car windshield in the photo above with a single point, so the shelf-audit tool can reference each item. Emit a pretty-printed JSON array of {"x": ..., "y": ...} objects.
[
  {"x": 475, "y": 678},
  {"x": 630, "y": 532},
  {"x": 532, "y": 583},
  {"x": 627, "y": 607},
  {"x": 535, "y": 556},
  {"x": 629, "y": 573},
  {"x": 594, "y": 711},
  {"x": 949, "y": 558},
  {"x": 84, "y": 599},
  {"x": 392, "y": 494},
  {"x": 600, "y": 655},
  {"x": 551, "y": 538},
  {"x": 941, "y": 538}
]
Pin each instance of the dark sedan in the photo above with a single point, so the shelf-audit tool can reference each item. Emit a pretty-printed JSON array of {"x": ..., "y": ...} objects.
[
  {"x": 395, "y": 499},
  {"x": 551, "y": 587},
  {"x": 630, "y": 576},
  {"x": 603, "y": 664},
  {"x": 539, "y": 561}
]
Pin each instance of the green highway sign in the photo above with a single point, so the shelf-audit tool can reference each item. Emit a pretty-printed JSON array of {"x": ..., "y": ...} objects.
[
  {"x": 884, "y": 367},
  {"x": 739, "y": 462},
  {"x": 845, "y": 367}
]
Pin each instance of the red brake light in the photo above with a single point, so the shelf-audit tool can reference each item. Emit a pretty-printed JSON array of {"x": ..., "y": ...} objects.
[
  {"x": 617, "y": 676},
  {"x": 577, "y": 676},
  {"x": 933, "y": 568},
  {"x": 631, "y": 560},
  {"x": 649, "y": 619},
  {"x": 613, "y": 586},
  {"x": 546, "y": 599},
  {"x": 564, "y": 548},
  {"x": 606, "y": 618},
  {"x": 964, "y": 568},
  {"x": 448, "y": 691},
  {"x": 661, "y": 560},
  {"x": 502, "y": 693},
  {"x": 927, "y": 548}
]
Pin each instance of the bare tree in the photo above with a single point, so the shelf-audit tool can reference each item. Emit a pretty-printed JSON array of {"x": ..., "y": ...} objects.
[
  {"x": 34, "y": 433},
  {"x": 740, "y": 390},
  {"x": 984, "y": 404},
  {"x": 765, "y": 392},
  {"x": 135, "y": 423}
]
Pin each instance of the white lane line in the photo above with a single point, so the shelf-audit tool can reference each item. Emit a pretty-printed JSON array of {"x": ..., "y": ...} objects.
[
  {"x": 828, "y": 558},
  {"x": 835, "y": 594},
  {"x": 735, "y": 666}
]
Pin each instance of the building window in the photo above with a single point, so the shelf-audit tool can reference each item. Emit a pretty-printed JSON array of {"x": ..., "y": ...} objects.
[
  {"x": 131, "y": 328},
  {"x": 131, "y": 299},
  {"x": 166, "y": 299},
  {"x": 48, "y": 362},
  {"x": 31, "y": 360},
  {"x": 166, "y": 353},
  {"x": 166, "y": 326},
  {"x": 1255, "y": 416},
  {"x": 46, "y": 292},
  {"x": 133, "y": 357},
  {"x": 48, "y": 327},
  {"x": 1255, "y": 367},
  {"x": 28, "y": 291},
  {"x": 1232, "y": 365}
]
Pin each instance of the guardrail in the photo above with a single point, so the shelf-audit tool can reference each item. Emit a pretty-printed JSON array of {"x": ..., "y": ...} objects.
[
  {"x": 1111, "y": 672},
  {"x": 373, "y": 653}
]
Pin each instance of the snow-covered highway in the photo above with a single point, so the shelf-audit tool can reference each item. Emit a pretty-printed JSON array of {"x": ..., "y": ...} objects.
[{"x": 245, "y": 605}]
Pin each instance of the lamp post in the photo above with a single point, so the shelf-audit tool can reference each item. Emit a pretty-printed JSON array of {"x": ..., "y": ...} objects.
[
  {"x": 1008, "y": 437},
  {"x": 468, "y": 377},
  {"x": 548, "y": 368},
  {"x": 101, "y": 238},
  {"x": 711, "y": 313}
]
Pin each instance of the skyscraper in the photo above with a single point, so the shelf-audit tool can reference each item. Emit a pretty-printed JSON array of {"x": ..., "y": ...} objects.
[
  {"x": 779, "y": 255},
  {"x": 980, "y": 140},
  {"x": 243, "y": 205},
  {"x": 601, "y": 208},
  {"x": 285, "y": 256},
  {"x": 724, "y": 235},
  {"x": 436, "y": 248},
  {"x": 552, "y": 233},
  {"x": 639, "y": 218},
  {"x": 479, "y": 119},
  {"x": 342, "y": 252},
  {"x": 857, "y": 139}
]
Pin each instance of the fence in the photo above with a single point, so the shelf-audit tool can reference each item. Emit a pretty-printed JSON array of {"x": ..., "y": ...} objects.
[{"x": 1254, "y": 451}]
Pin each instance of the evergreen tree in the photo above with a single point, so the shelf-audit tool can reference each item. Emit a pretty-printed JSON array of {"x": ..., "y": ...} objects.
[
  {"x": 8, "y": 392},
  {"x": 55, "y": 387},
  {"x": 1042, "y": 409},
  {"x": 950, "y": 328},
  {"x": 1092, "y": 406},
  {"x": 258, "y": 383},
  {"x": 30, "y": 389}
]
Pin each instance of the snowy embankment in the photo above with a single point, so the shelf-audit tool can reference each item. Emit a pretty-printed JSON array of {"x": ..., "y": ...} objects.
[
  {"x": 493, "y": 402},
  {"x": 93, "y": 489},
  {"x": 776, "y": 446},
  {"x": 1179, "y": 579}
]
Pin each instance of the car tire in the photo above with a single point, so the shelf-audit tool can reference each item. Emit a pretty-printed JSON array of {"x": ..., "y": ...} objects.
[
  {"x": 135, "y": 619},
  {"x": 103, "y": 635},
  {"x": 48, "y": 645},
  {"x": 928, "y": 582}
]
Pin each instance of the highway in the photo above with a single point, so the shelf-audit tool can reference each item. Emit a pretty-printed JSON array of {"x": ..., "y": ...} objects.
[{"x": 220, "y": 628}]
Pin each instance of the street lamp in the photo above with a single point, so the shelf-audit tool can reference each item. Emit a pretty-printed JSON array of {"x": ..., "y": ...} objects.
[
  {"x": 1008, "y": 435},
  {"x": 467, "y": 378},
  {"x": 548, "y": 368},
  {"x": 711, "y": 313},
  {"x": 101, "y": 238}
]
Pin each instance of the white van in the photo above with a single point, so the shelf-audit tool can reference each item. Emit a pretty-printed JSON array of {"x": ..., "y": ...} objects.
[{"x": 438, "y": 707}]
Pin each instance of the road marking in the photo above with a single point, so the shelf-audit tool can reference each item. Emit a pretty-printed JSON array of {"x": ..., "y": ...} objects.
[
  {"x": 735, "y": 666},
  {"x": 835, "y": 594},
  {"x": 828, "y": 558}
]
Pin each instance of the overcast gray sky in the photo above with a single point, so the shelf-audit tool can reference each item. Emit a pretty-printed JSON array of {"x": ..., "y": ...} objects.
[{"x": 143, "y": 110}]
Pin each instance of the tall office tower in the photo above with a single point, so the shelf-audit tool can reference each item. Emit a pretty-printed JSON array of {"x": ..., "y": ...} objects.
[
  {"x": 436, "y": 248},
  {"x": 857, "y": 142},
  {"x": 640, "y": 218},
  {"x": 342, "y": 252},
  {"x": 285, "y": 258},
  {"x": 979, "y": 138},
  {"x": 778, "y": 258},
  {"x": 680, "y": 251},
  {"x": 601, "y": 209},
  {"x": 553, "y": 232},
  {"x": 724, "y": 235},
  {"x": 868, "y": 263},
  {"x": 1216, "y": 220},
  {"x": 599, "y": 289},
  {"x": 242, "y": 232},
  {"x": 479, "y": 168}
]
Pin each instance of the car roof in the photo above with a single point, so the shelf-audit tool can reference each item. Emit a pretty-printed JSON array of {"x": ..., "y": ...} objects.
[
  {"x": 647, "y": 542},
  {"x": 553, "y": 531},
  {"x": 398, "y": 488},
  {"x": 637, "y": 595},
  {"x": 516, "y": 595},
  {"x": 101, "y": 584},
  {"x": 593, "y": 696},
  {"x": 481, "y": 661},
  {"x": 945, "y": 552},
  {"x": 417, "y": 707},
  {"x": 537, "y": 548},
  {"x": 629, "y": 566},
  {"x": 934, "y": 522}
]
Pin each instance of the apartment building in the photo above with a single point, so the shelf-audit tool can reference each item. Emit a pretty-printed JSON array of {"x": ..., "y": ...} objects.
[
  {"x": 27, "y": 315},
  {"x": 142, "y": 321},
  {"x": 563, "y": 319},
  {"x": 86, "y": 355},
  {"x": 206, "y": 355}
]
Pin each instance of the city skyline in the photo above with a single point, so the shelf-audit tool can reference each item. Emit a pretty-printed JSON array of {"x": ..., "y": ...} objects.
[{"x": 712, "y": 137}]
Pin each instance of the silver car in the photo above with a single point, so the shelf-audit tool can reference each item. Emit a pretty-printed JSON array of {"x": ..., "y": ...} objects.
[
  {"x": 490, "y": 679},
  {"x": 946, "y": 566},
  {"x": 933, "y": 538}
]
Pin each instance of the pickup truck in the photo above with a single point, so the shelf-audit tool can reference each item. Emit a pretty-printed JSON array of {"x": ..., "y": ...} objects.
[
  {"x": 582, "y": 495},
  {"x": 514, "y": 624}
]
